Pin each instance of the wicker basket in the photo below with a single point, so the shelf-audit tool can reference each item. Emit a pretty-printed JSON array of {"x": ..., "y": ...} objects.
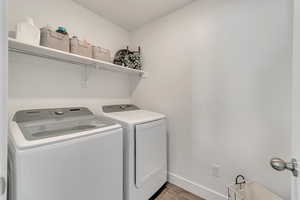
[
  {"x": 102, "y": 54},
  {"x": 54, "y": 40},
  {"x": 81, "y": 48}
]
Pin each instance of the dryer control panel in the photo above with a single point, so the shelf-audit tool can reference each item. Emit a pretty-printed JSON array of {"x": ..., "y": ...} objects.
[{"x": 119, "y": 108}]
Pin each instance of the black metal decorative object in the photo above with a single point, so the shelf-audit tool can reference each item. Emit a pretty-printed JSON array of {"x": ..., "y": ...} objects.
[{"x": 130, "y": 59}]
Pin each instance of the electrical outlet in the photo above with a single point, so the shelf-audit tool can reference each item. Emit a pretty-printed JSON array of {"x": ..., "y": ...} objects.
[{"x": 215, "y": 170}]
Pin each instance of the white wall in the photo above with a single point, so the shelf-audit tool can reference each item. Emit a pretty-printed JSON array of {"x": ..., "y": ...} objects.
[
  {"x": 35, "y": 82},
  {"x": 221, "y": 71}
]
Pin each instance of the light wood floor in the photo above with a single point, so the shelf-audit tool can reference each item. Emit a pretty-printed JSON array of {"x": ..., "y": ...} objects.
[{"x": 172, "y": 192}]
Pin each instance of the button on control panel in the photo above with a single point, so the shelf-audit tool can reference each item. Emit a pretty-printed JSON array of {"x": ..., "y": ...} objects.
[{"x": 59, "y": 112}]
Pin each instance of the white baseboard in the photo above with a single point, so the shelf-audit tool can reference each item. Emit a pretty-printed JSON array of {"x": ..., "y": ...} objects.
[{"x": 195, "y": 188}]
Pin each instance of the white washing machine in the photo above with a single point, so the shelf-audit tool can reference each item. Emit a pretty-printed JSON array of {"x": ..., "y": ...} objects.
[
  {"x": 145, "y": 150},
  {"x": 64, "y": 154}
]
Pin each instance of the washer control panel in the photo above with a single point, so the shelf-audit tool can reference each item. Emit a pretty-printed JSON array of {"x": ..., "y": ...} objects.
[{"x": 52, "y": 113}]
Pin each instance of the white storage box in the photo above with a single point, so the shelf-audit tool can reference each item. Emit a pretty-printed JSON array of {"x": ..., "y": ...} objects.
[
  {"x": 27, "y": 32},
  {"x": 55, "y": 40},
  {"x": 102, "y": 54},
  {"x": 81, "y": 48}
]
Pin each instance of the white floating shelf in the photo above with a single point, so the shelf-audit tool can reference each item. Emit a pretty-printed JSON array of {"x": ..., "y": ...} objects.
[{"x": 45, "y": 52}]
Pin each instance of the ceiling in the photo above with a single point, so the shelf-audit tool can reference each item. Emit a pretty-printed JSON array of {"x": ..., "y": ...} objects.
[{"x": 131, "y": 14}]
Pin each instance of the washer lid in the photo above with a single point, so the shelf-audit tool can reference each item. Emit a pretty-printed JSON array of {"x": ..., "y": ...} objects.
[
  {"x": 41, "y": 130},
  {"x": 36, "y": 127},
  {"x": 135, "y": 116}
]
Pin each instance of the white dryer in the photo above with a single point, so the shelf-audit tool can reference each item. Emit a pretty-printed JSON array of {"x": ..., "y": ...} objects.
[
  {"x": 64, "y": 154},
  {"x": 145, "y": 149}
]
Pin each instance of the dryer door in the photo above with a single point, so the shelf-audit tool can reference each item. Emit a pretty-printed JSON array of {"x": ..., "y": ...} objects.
[{"x": 151, "y": 152}]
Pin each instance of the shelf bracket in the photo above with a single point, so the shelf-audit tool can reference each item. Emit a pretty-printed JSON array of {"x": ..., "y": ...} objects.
[
  {"x": 98, "y": 66},
  {"x": 144, "y": 75},
  {"x": 84, "y": 77}
]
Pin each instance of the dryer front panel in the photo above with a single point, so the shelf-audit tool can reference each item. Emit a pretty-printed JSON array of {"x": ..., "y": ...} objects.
[{"x": 150, "y": 153}]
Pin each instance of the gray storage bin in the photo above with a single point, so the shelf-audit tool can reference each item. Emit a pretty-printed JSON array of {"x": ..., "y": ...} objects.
[
  {"x": 101, "y": 54},
  {"x": 54, "y": 40},
  {"x": 81, "y": 48}
]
